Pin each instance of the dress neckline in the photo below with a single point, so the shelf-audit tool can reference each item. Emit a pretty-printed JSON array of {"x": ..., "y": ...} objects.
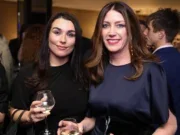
[
  {"x": 55, "y": 69},
  {"x": 118, "y": 66}
]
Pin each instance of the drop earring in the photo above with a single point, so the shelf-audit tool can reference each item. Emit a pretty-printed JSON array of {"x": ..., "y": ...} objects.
[{"x": 131, "y": 50}]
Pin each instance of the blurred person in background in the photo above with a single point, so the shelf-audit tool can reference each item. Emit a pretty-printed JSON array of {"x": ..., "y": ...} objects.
[
  {"x": 176, "y": 42},
  {"x": 143, "y": 27},
  {"x": 31, "y": 43},
  {"x": 3, "y": 94},
  {"x": 6, "y": 58},
  {"x": 163, "y": 26},
  {"x": 14, "y": 44}
]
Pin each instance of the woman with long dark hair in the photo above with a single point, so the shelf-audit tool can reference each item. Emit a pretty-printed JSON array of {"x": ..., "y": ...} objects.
[{"x": 59, "y": 68}]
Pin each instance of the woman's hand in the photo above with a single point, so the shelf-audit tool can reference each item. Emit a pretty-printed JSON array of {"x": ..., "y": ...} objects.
[
  {"x": 36, "y": 113},
  {"x": 68, "y": 125},
  {"x": 168, "y": 128}
]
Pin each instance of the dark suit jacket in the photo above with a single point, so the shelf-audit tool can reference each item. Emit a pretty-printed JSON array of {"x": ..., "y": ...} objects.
[{"x": 170, "y": 61}]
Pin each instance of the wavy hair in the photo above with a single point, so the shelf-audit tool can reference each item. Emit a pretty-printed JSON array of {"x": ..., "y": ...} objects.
[{"x": 100, "y": 56}]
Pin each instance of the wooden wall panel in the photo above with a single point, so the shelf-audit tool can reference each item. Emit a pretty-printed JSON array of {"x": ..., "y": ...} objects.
[{"x": 8, "y": 19}]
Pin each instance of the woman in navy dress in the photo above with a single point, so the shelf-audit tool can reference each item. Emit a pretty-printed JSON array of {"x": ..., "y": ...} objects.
[{"x": 129, "y": 94}]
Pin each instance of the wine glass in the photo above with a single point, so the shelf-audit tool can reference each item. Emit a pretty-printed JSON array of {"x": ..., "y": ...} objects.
[
  {"x": 48, "y": 103},
  {"x": 70, "y": 130}
]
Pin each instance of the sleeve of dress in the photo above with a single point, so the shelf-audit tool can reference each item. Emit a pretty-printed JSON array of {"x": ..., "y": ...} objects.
[
  {"x": 89, "y": 110},
  {"x": 3, "y": 90},
  {"x": 158, "y": 95},
  {"x": 20, "y": 94},
  {"x": 89, "y": 113}
]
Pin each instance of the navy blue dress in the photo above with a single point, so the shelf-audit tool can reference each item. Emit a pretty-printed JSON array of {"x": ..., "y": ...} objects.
[{"x": 130, "y": 107}]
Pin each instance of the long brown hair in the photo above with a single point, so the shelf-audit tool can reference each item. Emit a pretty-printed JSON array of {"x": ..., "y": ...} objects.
[{"x": 100, "y": 56}]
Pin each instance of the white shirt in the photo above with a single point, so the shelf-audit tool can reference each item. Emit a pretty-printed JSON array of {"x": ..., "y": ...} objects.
[{"x": 164, "y": 46}]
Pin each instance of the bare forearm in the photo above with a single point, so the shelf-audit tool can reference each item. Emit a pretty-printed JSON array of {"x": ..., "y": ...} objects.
[
  {"x": 168, "y": 128},
  {"x": 88, "y": 124},
  {"x": 165, "y": 130},
  {"x": 25, "y": 117},
  {"x": 35, "y": 114}
]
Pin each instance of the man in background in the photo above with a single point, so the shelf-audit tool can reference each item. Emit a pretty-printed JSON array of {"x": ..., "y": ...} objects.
[
  {"x": 14, "y": 44},
  {"x": 163, "y": 26}
]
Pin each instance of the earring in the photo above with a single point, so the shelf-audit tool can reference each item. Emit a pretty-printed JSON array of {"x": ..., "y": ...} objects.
[{"x": 131, "y": 50}]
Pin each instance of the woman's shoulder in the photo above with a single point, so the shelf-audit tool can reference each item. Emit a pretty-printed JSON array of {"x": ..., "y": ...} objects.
[{"x": 152, "y": 66}]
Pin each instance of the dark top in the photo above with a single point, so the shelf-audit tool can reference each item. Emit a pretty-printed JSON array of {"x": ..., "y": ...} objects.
[
  {"x": 3, "y": 90},
  {"x": 134, "y": 107},
  {"x": 170, "y": 61},
  {"x": 71, "y": 100}
]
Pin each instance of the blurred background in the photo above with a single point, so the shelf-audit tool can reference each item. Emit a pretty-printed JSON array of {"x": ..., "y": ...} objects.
[{"x": 14, "y": 13}]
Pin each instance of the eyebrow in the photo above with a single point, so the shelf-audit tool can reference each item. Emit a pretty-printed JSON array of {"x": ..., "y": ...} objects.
[{"x": 61, "y": 29}]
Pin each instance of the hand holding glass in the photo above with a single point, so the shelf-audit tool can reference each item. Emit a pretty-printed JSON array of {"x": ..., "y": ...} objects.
[
  {"x": 48, "y": 103},
  {"x": 71, "y": 129}
]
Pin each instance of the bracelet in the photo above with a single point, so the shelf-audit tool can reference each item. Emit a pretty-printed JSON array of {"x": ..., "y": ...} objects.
[
  {"x": 30, "y": 120},
  {"x": 12, "y": 116}
]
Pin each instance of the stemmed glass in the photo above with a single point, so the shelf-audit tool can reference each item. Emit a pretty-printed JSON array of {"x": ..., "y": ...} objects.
[{"x": 48, "y": 103}]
